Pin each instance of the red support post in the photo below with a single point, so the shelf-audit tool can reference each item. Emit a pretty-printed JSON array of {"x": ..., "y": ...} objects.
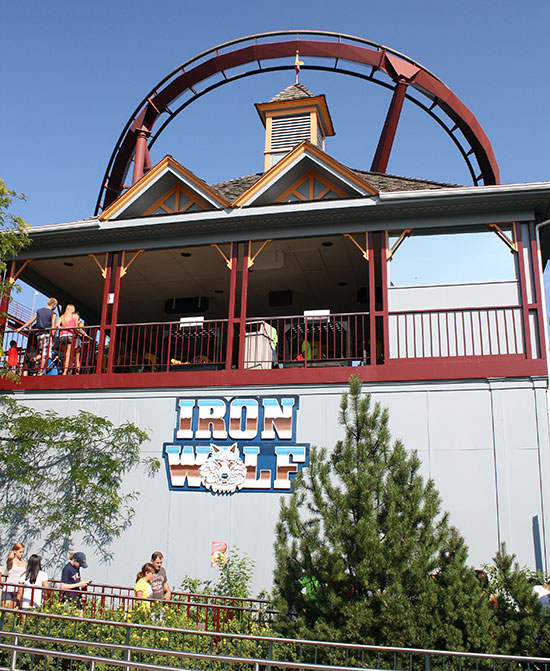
[
  {"x": 523, "y": 279},
  {"x": 537, "y": 274},
  {"x": 6, "y": 293},
  {"x": 232, "y": 300},
  {"x": 104, "y": 312},
  {"x": 372, "y": 299},
  {"x": 385, "y": 297},
  {"x": 243, "y": 306},
  {"x": 140, "y": 156},
  {"x": 114, "y": 314},
  {"x": 385, "y": 143}
]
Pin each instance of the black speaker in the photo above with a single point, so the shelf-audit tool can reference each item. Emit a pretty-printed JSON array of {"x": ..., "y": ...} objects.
[
  {"x": 363, "y": 295},
  {"x": 187, "y": 305}
]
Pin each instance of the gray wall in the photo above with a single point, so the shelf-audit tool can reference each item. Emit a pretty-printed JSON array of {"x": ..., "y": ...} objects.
[{"x": 485, "y": 443}]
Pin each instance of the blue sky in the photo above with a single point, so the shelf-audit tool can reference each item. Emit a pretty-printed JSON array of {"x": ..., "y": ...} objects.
[{"x": 73, "y": 72}]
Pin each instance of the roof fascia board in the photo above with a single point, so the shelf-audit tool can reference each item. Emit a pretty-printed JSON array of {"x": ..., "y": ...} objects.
[
  {"x": 300, "y": 153},
  {"x": 314, "y": 159},
  {"x": 406, "y": 199},
  {"x": 181, "y": 177},
  {"x": 167, "y": 164},
  {"x": 346, "y": 222},
  {"x": 532, "y": 191}
]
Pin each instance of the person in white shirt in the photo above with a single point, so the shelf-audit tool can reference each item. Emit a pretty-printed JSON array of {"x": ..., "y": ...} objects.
[{"x": 33, "y": 582}]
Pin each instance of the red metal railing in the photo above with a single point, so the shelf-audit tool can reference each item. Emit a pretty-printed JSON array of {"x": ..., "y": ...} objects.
[
  {"x": 316, "y": 340},
  {"x": 77, "y": 354},
  {"x": 456, "y": 333},
  {"x": 18, "y": 312},
  {"x": 210, "y": 612},
  {"x": 185, "y": 345},
  {"x": 277, "y": 342}
]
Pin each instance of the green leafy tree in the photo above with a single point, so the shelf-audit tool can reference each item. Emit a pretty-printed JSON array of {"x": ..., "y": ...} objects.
[
  {"x": 363, "y": 553},
  {"x": 234, "y": 579},
  {"x": 13, "y": 238},
  {"x": 61, "y": 479},
  {"x": 235, "y": 575}
]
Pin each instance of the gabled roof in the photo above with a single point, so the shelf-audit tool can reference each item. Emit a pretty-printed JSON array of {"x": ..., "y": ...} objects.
[
  {"x": 301, "y": 160},
  {"x": 231, "y": 189},
  {"x": 166, "y": 177}
]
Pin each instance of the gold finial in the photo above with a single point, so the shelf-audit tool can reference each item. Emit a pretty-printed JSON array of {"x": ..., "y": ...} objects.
[{"x": 297, "y": 64}]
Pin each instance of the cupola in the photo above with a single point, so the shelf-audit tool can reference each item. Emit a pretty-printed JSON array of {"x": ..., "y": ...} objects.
[{"x": 292, "y": 116}]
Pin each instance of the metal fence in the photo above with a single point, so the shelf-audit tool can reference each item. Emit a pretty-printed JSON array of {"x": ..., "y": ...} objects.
[
  {"x": 44, "y": 642},
  {"x": 209, "y": 612},
  {"x": 319, "y": 340},
  {"x": 456, "y": 333},
  {"x": 307, "y": 340}
]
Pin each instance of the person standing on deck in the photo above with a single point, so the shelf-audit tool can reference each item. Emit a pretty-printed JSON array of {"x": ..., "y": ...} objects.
[
  {"x": 44, "y": 322},
  {"x": 159, "y": 582}
]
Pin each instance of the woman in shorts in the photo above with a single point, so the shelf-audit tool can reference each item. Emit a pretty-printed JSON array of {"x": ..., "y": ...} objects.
[
  {"x": 16, "y": 568},
  {"x": 66, "y": 324}
]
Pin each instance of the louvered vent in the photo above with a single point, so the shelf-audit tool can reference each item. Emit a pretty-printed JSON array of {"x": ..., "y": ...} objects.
[
  {"x": 288, "y": 132},
  {"x": 320, "y": 137}
]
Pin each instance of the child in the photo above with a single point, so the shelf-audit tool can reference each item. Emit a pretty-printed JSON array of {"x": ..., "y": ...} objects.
[
  {"x": 13, "y": 357},
  {"x": 143, "y": 587}
]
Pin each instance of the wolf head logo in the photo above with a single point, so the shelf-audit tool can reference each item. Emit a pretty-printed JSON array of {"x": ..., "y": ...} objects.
[{"x": 224, "y": 470}]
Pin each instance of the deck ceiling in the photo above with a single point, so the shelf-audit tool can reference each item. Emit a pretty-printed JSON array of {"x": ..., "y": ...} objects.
[{"x": 320, "y": 276}]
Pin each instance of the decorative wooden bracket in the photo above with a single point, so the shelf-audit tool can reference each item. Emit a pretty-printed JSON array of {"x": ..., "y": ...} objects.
[
  {"x": 404, "y": 234},
  {"x": 220, "y": 250},
  {"x": 101, "y": 268},
  {"x": 124, "y": 268},
  {"x": 365, "y": 251},
  {"x": 15, "y": 276},
  {"x": 512, "y": 244},
  {"x": 251, "y": 259}
]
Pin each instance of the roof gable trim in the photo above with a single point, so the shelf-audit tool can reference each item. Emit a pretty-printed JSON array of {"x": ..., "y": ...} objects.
[
  {"x": 163, "y": 167},
  {"x": 305, "y": 150}
]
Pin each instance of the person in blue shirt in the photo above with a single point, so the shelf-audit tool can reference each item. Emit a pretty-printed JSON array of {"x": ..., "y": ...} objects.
[
  {"x": 71, "y": 580},
  {"x": 44, "y": 323}
]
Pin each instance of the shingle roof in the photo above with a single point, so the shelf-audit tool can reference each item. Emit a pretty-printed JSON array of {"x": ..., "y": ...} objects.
[
  {"x": 233, "y": 188},
  {"x": 384, "y": 182},
  {"x": 293, "y": 92}
]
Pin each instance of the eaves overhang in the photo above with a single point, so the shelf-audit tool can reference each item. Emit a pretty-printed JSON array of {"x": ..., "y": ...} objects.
[{"x": 429, "y": 207}]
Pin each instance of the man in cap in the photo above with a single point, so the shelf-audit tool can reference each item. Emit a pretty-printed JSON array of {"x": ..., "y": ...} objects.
[{"x": 70, "y": 578}]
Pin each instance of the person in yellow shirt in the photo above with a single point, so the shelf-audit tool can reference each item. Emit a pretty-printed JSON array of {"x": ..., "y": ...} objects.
[{"x": 143, "y": 587}]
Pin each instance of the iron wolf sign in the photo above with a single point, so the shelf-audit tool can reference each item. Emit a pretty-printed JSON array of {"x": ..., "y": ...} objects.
[{"x": 241, "y": 444}]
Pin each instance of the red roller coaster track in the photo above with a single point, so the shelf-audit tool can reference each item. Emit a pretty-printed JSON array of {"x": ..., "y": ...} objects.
[{"x": 326, "y": 51}]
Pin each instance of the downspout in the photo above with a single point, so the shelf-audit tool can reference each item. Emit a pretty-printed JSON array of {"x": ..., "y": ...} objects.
[
  {"x": 541, "y": 279},
  {"x": 545, "y": 319}
]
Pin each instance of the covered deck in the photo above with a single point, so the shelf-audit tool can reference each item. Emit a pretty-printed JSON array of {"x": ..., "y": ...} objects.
[{"x": 287, "y": 295}]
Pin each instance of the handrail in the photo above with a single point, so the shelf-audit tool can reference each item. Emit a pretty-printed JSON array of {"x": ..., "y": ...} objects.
[
  {"x": 84, "y": 594},
  {"x": 127, "y": 662},
  {"x": 207, "y": 614},
  {"x": 191, "y": 595},
  {"x": 360, "y": 647}
]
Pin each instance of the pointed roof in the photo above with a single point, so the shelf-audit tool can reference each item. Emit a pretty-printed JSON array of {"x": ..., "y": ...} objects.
[
  {"x": 302, "y": 159},
  {"x": 293, "y": 92},
  {"x": 231, "y": 189},
  {"x": 165, "y": 175}
]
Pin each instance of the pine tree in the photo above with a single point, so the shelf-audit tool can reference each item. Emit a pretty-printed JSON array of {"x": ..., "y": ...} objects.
[
  {"x": 523, "y": 624},
  {"x": 363, "y": 553}
]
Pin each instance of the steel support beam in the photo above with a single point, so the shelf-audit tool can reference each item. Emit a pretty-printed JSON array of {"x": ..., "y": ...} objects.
[{"x": 385, "y": 143}]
